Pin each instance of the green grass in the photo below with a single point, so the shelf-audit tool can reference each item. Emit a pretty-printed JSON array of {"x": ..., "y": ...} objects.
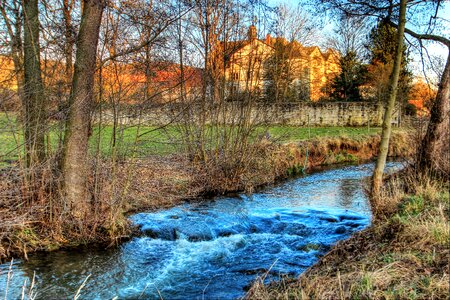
[
  {"x": 156, "y": 141},
  {"x": 294, "y": 133}
]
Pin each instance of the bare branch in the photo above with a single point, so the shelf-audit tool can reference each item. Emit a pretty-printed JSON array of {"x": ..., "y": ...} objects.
[{"x": 430, "y": 37}]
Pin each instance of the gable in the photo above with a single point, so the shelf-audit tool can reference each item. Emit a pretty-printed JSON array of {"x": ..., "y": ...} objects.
[{"x": 256, "y": 47}]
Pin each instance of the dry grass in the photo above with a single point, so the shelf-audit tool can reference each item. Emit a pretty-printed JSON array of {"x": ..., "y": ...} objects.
[
  {"x": 160, "y": 182},
  {"x": 269, "y": 161},
  {"x": 33, "y": 218},
  {"x": 403, "y": 255}
]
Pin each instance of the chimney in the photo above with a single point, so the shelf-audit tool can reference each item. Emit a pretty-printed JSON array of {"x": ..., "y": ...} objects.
[
  {"x": 252, "y": 33},
  {"x": 268, "y": 39}
]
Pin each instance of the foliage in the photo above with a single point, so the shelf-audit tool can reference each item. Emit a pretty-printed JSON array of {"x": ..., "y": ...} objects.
[
  {"x": 381, "y": 46},
  {"x": 346, "y": 85},
  {"x": 422, "y": 95}
]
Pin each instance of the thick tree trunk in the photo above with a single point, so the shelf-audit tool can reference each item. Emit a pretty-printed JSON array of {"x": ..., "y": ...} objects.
[
  {"x": 75, "y": 164},
  {"x": 33, "y": 88},
  {"x": 377, "y": 177},
  {"x": 434, "y": 152}
]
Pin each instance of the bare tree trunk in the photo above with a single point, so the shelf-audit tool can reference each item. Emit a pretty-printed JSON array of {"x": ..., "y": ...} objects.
[
  {"x": 13, "y": 25},
  {"x": 75, "y": 164},
  {"x": 377, "y": 177},
  {"x": 69, "y": 39},
  {"x": 434, "y": 151},
  {"x": 180, "y": 54},
  {"x": 148, "y": 76},
  {"x": 33, "y": 89}
]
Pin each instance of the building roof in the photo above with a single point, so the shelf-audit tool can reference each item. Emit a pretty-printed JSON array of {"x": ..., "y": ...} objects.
[
  {"x": 298, "y": 50},
  {"x": 230, "y": 48}
]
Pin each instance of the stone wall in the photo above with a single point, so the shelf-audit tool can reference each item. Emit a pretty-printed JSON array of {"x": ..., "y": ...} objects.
[
  {"x": 295, "y": 114},
  {"x": 332, "y": 114}
]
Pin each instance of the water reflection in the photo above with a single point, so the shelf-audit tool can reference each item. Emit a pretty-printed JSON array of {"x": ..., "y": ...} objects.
[{"x": 348, "y": 190}]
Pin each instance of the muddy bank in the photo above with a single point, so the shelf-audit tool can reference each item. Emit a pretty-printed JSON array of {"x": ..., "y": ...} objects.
[{"x": 161, "y": 182}]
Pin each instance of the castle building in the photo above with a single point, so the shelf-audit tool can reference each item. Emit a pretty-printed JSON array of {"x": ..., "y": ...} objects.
[{"x": 249, "y": 64}]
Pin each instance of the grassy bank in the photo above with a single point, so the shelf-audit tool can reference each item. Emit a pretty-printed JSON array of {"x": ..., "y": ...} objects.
[
  {"x": 403, "y": 255},
  {"x": 156, "y": 182}
]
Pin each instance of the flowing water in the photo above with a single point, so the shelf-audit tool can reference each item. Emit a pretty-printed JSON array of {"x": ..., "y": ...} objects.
[{"x": 210, "y": 250}]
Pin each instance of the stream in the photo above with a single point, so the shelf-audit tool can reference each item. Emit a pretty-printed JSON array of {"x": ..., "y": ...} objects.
[{"x": 213, "y": 249}]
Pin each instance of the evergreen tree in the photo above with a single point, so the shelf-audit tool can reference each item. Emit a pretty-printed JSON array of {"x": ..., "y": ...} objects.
[
  {"x": 381, "y": 47},
  {"x": 345, "y": 86},
  {"x": 382, "y": 44}
]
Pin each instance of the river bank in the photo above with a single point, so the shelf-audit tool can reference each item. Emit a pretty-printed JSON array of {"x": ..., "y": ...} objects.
[
  {"x": 165, "y": 181},
  {"x": 404, "y": 254}
]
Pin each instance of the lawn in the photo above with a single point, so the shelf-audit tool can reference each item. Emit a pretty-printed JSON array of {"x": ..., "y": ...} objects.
[
  {"x": 154, "y": 140},
  {"x": 294, "y": 133}
]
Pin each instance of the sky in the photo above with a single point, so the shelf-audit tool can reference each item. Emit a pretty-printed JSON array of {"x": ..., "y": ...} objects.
[{"x": 434, "y": 49}]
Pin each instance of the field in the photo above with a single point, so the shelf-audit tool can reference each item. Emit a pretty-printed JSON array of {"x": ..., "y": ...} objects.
[{"x": 148, "y": 140}]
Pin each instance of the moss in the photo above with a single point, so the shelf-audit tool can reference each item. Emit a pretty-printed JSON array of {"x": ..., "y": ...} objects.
[
  {"x": 310, "y": 247},
  {"x": 343, "y": 156},
  {"x": 52, "y": 247}
]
